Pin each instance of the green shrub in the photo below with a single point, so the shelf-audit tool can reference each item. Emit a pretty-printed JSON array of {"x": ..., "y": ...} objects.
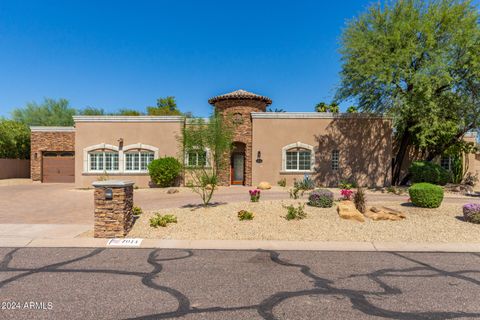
[
  {"x": 347, "y": 185},
  {"x": 164, "y": 171},
  {"x": 426, "y": 195},
  {"x": 137, "y": 211},
  {"x": 359, "y": 199},
  {"x": 321, "y": 198},
  {"x": 282, "y": 182},
  {"x": 162, "y": 221},
  {"x": 245, "y": 215},
  {"x": 295, "y": 213},
  {"x": 423, "y": 171}
]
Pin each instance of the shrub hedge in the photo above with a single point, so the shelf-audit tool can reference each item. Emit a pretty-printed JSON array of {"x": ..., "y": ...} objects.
[
  {"x": 164, "y": 171},
  {"x": 426, "y": 195},
  {"x": 424, "y": 171}
]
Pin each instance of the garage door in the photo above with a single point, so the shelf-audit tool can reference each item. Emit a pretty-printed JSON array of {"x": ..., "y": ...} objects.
[{"x": 58, "y": 166}]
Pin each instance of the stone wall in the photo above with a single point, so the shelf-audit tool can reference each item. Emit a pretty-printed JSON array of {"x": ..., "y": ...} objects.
[
  {"x": 238, "y": 111},
  {"x": 113, "y": 218},
  {"x": 47, "y": 141}
]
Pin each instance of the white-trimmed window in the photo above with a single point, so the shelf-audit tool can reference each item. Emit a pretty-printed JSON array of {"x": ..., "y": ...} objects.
[
  {"x": 297, "y": 157},
  {"x": 103, "y": 161},
  {"x": 298, "y": 160},
  {"x": 196, "y": 158},
  {"x": 138, "y": 160},
  {"x": 446, "y": 163},
  {"x": 335, "y": 160}
]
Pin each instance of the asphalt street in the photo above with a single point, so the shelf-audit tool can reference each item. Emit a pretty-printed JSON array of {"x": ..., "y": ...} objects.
[{"x": 89, "y": 283}]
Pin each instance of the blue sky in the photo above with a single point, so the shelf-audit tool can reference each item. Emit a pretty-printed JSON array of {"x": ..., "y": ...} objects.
[{"x": 126, "y": 54}]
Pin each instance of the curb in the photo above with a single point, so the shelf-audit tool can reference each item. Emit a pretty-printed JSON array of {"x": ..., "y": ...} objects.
[{"x": 245, "y": 245}]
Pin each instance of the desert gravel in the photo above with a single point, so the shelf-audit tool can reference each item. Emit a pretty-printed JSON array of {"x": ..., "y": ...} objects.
[{"x": 422, "y": 225}]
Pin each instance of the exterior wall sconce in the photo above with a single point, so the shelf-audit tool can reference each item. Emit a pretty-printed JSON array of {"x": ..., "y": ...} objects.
[
  {"x": 259, "y": 157},
  {"x": 108, "y": 194},
  {"x": 120, "y": 143}
]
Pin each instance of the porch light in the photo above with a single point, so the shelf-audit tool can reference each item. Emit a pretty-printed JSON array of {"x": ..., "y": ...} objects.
[
  {"x": 108, "y": 194},
  {"x": 259, "y": 157}
]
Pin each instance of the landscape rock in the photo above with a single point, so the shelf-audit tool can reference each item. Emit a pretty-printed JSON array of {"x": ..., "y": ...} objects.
[
  {"x": 346, "y": 210},
  {"x": 385, "y": 214},
  {"x": 264, "y": 185},
  {"x": 172, "y": 190}
]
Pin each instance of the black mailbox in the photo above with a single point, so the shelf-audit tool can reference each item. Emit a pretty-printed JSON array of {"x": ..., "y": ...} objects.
[{"x": 108, "y": 194}]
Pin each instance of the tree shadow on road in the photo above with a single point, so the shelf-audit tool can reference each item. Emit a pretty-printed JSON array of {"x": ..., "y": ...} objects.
[{"x": 360, "y": 300}]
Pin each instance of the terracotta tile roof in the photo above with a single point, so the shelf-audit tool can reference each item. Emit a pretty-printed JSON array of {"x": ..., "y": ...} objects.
[{"x": 240, "y": 94}]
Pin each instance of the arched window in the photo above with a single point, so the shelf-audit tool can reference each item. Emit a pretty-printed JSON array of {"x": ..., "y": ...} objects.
[
  {"x": 137, "y": 157},
  {"x": 138, "y": 160},
  {"x": 297, "y": 157},
  {"x": 101, "y": 158}
]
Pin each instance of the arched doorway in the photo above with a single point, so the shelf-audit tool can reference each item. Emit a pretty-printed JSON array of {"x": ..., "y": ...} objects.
[{"x": 237, "y": 164}]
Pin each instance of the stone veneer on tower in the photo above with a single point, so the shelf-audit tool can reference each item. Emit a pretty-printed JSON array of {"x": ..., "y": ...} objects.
[{"x": 237, "y": 106}]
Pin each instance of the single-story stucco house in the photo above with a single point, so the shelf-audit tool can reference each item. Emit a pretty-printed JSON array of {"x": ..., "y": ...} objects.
[{"x": 268, "y": 146}]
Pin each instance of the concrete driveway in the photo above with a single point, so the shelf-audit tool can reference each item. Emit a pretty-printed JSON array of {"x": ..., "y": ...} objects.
[
  {"x": 63, "y": 204},
  {"x": 45, "y": 204}
]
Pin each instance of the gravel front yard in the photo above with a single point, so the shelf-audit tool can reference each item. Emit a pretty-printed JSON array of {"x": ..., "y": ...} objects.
[{"x": 422, "y": 225}]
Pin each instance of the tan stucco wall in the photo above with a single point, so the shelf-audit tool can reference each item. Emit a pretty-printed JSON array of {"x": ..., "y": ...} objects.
[
  {"x": 472, "y": 161},
  {"x": 365, "y": 146},
  {"x": 162, "y": 135}
]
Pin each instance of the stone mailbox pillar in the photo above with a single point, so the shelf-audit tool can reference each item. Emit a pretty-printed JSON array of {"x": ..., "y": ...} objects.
[{"x": 113, "y": 208}]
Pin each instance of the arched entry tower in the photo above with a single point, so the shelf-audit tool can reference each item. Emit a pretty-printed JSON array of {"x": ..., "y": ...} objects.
[{"x": 237, "y": 107}]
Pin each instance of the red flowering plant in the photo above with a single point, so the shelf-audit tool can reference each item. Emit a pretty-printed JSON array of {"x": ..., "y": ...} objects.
[
  {"x": 254, "y": 195},
  {"x": 346, "y": 194}
]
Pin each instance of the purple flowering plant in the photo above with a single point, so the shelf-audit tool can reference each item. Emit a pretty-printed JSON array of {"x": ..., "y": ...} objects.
[
  {"x": 254, "y": 195},
  {"x": 471, "y": 212}
]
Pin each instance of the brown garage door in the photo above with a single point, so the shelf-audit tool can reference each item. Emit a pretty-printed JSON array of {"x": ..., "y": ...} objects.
[{"x": 58, "y": 166}]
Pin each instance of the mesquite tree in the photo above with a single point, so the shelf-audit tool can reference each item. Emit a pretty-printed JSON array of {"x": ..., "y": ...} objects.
[{"x": 419, "y": 62}]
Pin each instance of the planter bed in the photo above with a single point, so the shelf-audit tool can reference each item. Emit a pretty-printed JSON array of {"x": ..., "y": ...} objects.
[{"x": 422, "y": 225}]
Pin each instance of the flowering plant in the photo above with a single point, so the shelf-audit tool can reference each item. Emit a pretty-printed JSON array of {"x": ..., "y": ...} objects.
[
  {"x": 346, "y": 194},
  {"x": 254, "y": 195},
  {"x": 471, "y": 212}
]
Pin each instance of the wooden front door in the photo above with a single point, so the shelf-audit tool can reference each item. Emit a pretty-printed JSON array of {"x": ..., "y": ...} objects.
[
  {"x": 58, "y": 167},
  {"x": 238, "y": 169}
]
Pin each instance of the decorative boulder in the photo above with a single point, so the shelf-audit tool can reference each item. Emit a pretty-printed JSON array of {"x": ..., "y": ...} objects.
[
  {"x": 264, "y": 186},
  {"x": 172, "y": 190},
  {"x": 384, "y": 213},
  {"x": 347, "y": 210}
]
